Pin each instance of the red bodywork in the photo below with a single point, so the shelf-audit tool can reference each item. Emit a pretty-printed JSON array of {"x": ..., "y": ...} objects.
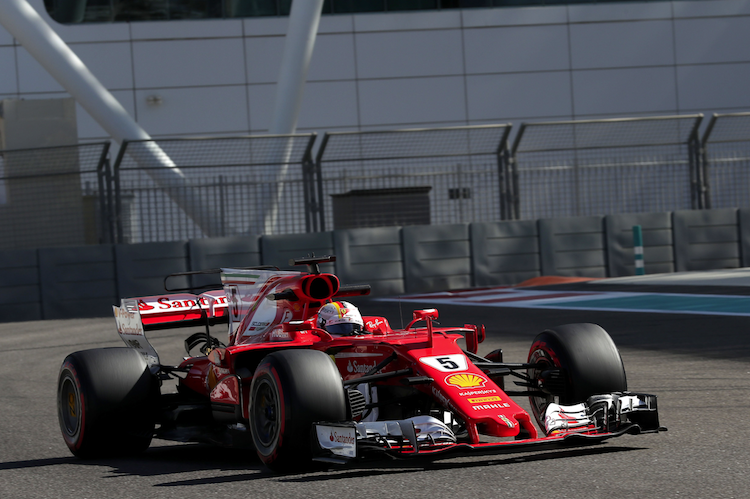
[{"x": 269, "y": 310}]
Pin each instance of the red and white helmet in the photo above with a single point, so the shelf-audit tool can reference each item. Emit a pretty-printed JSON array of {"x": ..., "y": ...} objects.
[{"x": 340, "y": 318}]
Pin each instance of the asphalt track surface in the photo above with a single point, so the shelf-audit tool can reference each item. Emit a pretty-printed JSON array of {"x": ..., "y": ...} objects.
[{"x": 698, "y": 365}]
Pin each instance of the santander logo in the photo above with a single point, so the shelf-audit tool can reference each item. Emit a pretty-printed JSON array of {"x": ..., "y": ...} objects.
[{"x": 343, "y": 439}]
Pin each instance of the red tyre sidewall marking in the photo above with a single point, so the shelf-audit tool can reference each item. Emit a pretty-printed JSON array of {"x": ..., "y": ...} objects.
[
  {"x": 267, "y": 369},
  {"x": 76, "y": 444}
]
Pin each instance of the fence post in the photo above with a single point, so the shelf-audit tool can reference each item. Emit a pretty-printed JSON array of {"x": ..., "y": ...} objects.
[
  {"x": 118, "y": 193},
  {"x": 698, "y": 180},
  {"x": 104, "y": 179},
  {"x": 638, "y": 250},
  {"x": 319, "y": 181},
  {"x": 503, "y": 174}
]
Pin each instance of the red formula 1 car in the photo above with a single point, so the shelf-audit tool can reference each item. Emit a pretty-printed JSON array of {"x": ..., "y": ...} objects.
[{"x": 297, "y": 392}]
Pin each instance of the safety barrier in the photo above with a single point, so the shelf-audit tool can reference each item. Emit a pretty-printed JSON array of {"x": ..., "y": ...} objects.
[{"x": 86, "y": 281}]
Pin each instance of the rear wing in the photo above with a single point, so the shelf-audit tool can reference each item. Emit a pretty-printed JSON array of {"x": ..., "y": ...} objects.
[{"x": 182, "y": 309}]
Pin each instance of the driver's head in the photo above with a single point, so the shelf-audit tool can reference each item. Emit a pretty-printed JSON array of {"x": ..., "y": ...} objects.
[{"x": 340, "y": 318}]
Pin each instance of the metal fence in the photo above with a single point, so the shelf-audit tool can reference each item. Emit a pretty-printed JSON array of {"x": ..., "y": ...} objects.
[
  {"x": 179, "y": 189},
  {"x": 596, "y": 167},
  {"x": 54, "y": 196},
  {"x": 411, "y": 177},
  {"x": 215, "y": 187},
  {"x": 726, "y": 156}
]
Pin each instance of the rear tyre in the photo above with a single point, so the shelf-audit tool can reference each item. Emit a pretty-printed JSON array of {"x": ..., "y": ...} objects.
[
  {"x": 589, "y": 361},
  {"x": 291, "y": 390},
  {"x": 106, "y": 402}
]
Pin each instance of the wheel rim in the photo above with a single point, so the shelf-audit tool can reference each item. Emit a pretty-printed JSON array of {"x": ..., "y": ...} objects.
[
  {"x": 539, "y": 404},
  {"x": 266, "y": 411},
  {"x": 69, "y": 407}
]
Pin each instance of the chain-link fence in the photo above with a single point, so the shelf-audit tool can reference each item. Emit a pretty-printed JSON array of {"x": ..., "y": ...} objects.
[
  {"x": 726, "y": 154},
  {"x": 411, "y": 177},
  {"x": 177, "y": 189},
  {"x": 54, "y": 196},
  {"x": 597, "y": 167}
]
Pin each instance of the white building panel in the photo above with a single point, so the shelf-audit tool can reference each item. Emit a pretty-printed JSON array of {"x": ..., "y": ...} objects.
[
  {"x": 262, "y": 101},
  {"x": 110, "y": 62},
  {"x": 263, "y": 54},
  {"x": 407, "y": 21},
  {"x": 516, "y": 49},
  {"x": 519, "y": 96},
  {"x": 706, "y": 41},
  {"x": 711, "y": 8},
  {"x": 186, "y": 29},
  {"x": 420, "y": 68},
  {"x": 625, "y": 91},
  {"x": 406, "y": 101},
  {"x": 182, "y": 63},
  {"x": 626, "y": 11},
  {"x": 332, "y": 58},
  {"x": 409, "y": 53},
  {"x": 621, "y": 44},
  {"x": 728, "y": 84},
  {"x": 194, "y": 111},
  {"x": 329, "y": 105},
  {"x": 522, "y": 16},
  {"x": 8, "y": 83},
  {"x": 32, "y": 77},
  {"x": 89, "y": 129}
]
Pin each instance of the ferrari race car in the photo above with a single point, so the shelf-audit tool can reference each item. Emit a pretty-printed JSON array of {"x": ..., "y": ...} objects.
[{"x": 297, "y": 392}]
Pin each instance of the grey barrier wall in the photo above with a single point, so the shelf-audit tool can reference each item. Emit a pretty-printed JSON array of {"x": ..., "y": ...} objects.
[
  {"x": 505, "y": 252},
  {"x": 86, "y": 281},
  {"x": 279, "y": 249},
  {"x": 436, "y": 257},
  {"x": 20, "y": 289},
  {"x": 658, "y": 253},
  {"x": 77, "y": 281},
  {"x": 573, "y": 246},
  {"x": 371, "y": 256},
  {"x": 709, "y": 239},
  {"x": 141, "y": 268}
]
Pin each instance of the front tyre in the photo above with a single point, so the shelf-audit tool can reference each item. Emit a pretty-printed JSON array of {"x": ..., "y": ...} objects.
[
  {"x": 106, "y": 402},
  {"x": 291, "y": 390},
  {"x": 575, "y": 361}
]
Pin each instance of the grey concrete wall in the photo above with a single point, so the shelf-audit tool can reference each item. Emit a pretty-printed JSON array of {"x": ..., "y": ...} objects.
[
  {"x": 141, "y": 268},
  {"x": 436, "y": 257},
  {"x": 371, "y": 256},
  {"x": 573, "y": 246},
  {"x": 20, "y": 290},
  {"x": 215, "y": 253},
  {"x": 86, "y": 281},
  {"x": 505, "y": 252},
  {"x": 78, "y": 281},
  {"x": 658, "y": 248},
  {"x": 278, "y": 249},
  {"x": 706, "y": 239}
]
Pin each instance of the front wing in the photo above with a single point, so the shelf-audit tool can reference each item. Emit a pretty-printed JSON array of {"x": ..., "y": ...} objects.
[{"x": 600, "y": 418}]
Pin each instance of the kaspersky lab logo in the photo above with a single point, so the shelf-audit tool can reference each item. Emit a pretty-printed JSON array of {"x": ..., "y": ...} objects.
[{"x": 466, "y": 380}]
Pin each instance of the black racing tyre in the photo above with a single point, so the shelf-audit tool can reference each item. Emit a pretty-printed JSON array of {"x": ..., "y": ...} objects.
[
  {"x": 588, "y": 358},
  {"x": 106, "y": 402},
  {"x": 291, "y": 390}
]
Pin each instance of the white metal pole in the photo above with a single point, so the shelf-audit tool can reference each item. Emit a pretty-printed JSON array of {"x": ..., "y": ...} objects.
[
  {"x": 46, "y": 46},
  {"x": 304, "y": 19}
]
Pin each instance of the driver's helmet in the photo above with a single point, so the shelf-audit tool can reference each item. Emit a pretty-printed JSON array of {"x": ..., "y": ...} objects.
[{"x": 340, "y": 318}]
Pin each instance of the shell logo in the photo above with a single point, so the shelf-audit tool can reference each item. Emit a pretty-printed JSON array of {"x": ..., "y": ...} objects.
[{"x": 465, "y": 380}]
